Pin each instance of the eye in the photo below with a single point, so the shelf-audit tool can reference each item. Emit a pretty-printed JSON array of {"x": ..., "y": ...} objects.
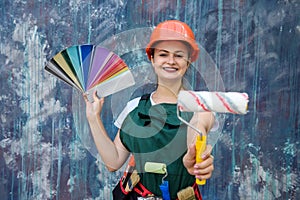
[
  {"x": 163, "y": 54},
  {"x": 178, "y": 55}
]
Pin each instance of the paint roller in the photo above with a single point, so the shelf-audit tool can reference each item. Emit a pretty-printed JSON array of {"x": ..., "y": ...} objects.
[{"x": 204, "y": 101}]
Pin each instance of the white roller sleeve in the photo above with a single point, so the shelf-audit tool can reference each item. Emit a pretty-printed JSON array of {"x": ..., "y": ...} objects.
[{"x": 222, "y": 102}]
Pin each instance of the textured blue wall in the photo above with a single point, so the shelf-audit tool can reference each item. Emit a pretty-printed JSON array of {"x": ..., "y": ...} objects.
[{"x": 45, "y": 150}]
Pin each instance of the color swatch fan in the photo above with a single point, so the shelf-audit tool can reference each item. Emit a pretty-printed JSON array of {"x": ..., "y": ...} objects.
[{"x": 89, "y": 67}]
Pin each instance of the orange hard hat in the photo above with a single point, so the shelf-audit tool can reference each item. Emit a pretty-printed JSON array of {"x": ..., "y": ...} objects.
[{"x": 173, "y": 30}]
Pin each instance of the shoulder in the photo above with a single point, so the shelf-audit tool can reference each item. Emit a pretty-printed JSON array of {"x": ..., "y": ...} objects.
[{"x": 132, "y": 104}]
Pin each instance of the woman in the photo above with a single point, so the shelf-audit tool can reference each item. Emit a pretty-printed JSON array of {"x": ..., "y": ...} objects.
[{"x": 149, "y": 127}]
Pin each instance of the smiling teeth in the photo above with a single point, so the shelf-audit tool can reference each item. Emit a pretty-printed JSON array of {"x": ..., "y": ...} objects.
[{"x": 170, "y": 68}]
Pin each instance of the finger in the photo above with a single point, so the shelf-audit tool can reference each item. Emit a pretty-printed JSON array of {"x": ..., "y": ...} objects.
[
  {"x": 206, "y": 152},
  {"x": 204, "y": 171},
  {"x": 85, "y": 97},
  {"x": 192, "y": 150},
  {"x": 189, "y": 159},
  {"x": 205, "y": 163},
  {"x": 204, "y": 176},
  {"x": 95, "y": 96},
  {"x": 101, "y": 100}
]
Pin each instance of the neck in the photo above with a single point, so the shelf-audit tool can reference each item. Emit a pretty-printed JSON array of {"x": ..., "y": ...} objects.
[{"x": 167, "y": 93}]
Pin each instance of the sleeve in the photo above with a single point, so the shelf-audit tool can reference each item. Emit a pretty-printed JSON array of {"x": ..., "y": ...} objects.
[{"x": 128, "y": 108}]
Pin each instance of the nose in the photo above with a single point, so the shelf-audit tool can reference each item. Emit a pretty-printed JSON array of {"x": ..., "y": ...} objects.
[{"x": 171, "y": 58}]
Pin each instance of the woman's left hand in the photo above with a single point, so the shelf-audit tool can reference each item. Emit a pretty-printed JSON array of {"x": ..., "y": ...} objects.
[{"x": 201, "y": 170}]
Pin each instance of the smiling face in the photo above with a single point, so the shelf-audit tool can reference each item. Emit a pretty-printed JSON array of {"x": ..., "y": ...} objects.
[{"x": 170, "y": 60}]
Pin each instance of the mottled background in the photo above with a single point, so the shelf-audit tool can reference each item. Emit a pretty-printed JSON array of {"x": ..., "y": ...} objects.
[{"x": 255, "y": 44}]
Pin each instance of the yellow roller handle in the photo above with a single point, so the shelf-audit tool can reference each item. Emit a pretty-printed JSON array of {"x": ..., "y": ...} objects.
[{"x": 200, "y": 148}]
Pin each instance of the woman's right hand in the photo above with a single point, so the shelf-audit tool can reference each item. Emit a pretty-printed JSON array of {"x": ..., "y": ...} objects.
[{"x": 93, "y": 109}]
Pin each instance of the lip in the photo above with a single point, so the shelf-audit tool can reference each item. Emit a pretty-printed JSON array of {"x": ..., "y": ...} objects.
[{"x": 170, "y": 69}]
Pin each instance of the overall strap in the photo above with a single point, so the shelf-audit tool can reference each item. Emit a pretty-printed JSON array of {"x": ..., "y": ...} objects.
[{"x": 145, "y": 97}]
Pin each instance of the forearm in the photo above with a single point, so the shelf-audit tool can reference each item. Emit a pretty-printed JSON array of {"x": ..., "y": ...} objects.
[{"x": 105, "y": 146}]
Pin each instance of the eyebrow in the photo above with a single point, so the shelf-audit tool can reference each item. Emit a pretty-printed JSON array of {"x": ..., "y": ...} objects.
[{"x": 164, "y": 50}]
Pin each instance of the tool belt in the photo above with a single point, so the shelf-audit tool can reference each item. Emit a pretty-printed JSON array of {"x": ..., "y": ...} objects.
[{"x": 130, "y": 188}]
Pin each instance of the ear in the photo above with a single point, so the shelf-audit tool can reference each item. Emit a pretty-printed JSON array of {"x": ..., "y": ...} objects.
[
  {"x": 152, "y": 60},
  {"x": 189, "y": 62}
]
